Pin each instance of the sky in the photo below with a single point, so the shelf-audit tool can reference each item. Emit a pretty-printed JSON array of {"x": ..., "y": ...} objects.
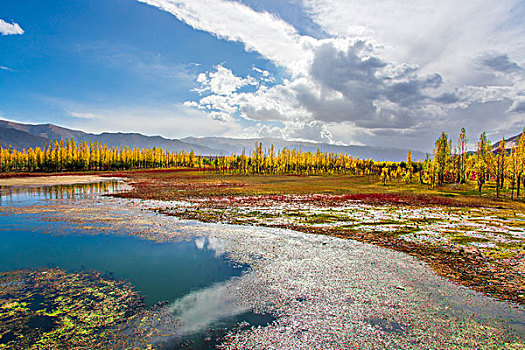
[{"x": 381, "y": 73}]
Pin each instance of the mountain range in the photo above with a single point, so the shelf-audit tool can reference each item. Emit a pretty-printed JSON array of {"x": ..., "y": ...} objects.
[{"x": 20, "y": 136}]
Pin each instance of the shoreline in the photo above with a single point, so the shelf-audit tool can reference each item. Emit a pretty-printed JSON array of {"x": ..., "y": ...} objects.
[{"x": 52, "y": 180}]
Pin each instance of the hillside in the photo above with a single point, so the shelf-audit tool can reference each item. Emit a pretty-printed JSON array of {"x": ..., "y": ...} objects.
[
  {"x": 25, "y": 132},
  {"x": 19, "y": 139}
]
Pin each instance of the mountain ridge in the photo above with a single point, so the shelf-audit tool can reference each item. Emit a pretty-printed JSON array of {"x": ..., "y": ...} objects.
[
  {"x": 21, "y": 135},
  {"x": 54, "y": 132}
]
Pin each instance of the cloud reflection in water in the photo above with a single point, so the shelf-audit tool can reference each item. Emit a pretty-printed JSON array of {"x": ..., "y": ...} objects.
[
  {"x": 211, "y": 243},
  {"x": 203, "y": 308}
]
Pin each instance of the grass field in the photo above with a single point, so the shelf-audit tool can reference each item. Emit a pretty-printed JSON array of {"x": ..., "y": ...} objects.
[{"x": 170, "y": 185}]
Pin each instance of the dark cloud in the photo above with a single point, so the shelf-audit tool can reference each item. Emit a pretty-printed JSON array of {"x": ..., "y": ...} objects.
[
  {"x": 501, "y": 63},
  {"x": 373, "y": 96},
  {"x": 340, "y": 70},
  {"x": 447, "y": 98}
]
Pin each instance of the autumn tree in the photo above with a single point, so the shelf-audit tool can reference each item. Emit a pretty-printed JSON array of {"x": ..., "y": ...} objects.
[
  {"x": 512, "y": 169},
  {"x": 441, "y": 157},
  {"x": 520, "y": 163},
  {"x": 501, "y": 152},
  {"x": 483, "y": 160}
]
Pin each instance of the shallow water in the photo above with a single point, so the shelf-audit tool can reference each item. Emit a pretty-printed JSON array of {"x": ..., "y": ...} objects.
[{"x": 167, "y": 272}]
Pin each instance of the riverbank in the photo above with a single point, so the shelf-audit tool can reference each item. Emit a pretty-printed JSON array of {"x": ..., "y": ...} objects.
[{"x": 35, "y": 181}]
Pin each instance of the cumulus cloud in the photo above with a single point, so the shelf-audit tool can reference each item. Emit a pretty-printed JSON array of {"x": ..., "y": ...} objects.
[
  {"x": 384, "y": 68},
  {"x": 10, "y": 28},
  {"x": 264, "y": 75},
  {"x": 222, "y": 81},
  {"x": 295, "y": 131},
  {"x": 309, "y": 131},
  {"x": 439, "y": 36}
]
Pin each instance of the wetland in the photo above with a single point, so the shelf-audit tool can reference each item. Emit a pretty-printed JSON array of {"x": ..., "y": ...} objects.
[{"x": 95, "y": 264}]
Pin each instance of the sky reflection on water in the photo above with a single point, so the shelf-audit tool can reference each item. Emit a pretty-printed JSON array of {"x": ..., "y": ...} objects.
[{"x": 193, "y": 276}]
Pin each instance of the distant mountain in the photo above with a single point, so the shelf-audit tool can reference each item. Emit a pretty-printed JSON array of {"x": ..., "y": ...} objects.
[
  {"x": 47, "y": 131},
  {"x": 52, "y": 132},
  {"x": 232, "y": 145},
  {"x": 509, "y": 143},
  {"x": 21, "y": 136},
  {"x": 19, "y": 139}
]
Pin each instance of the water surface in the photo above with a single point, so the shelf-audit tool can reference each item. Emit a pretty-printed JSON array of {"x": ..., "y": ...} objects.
[{"x": 191, "y": 275}]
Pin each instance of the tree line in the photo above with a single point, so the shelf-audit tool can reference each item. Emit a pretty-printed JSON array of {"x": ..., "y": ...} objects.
[
  {"x": 501, "y": 165},
  {"x": 447, "y": 164},
  {"x": 69, "y": 155}
]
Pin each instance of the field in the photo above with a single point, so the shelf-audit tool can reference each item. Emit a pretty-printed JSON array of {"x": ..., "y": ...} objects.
[{"x": 478, "y": 241}]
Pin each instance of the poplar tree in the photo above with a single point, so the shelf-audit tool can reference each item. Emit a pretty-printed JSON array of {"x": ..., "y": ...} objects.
[
  {"x": 483, "y": 161},
  {"x": 520, "y": 164},
  {"x": 462, "y": 148},
  {"x": 410, "y": 167},
  {"x": 500, "y": 165},
  {"x": 441, "y": 157}
]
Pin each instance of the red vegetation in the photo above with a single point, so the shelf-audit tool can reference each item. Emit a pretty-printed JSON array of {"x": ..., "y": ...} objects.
[{"x": 332, "y": 200}]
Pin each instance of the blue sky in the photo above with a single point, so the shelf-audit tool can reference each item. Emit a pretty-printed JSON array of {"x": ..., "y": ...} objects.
[{"x": 386, "y": 73}]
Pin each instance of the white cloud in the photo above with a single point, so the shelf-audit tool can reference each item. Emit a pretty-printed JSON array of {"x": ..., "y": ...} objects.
[
  {"x": 10, "y": 28},
  {"x": 387, "y": 69},
  {"x": 82, "y": 115},
  {"x": 442, "y": 36},
  {"x": 261, "y": 32},
  {"x": 172, "y": 121},
  {"x": 222, "y": 81},
  {"x": 266, "y": 103},
  {"x": 220, "y": 116},
  {"x": 264, "y": 75}
]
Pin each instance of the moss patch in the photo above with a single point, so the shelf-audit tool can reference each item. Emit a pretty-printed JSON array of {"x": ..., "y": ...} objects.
[{"x": 53, "y": 309}]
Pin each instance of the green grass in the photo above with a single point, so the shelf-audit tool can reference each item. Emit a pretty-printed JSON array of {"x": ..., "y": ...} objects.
[{"x": 463, "y": 239}]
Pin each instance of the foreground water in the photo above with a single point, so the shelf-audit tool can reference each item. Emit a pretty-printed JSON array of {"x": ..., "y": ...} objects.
[
  {"x": 325, "y": 292},
  {"x": 162, "y": 272}
]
